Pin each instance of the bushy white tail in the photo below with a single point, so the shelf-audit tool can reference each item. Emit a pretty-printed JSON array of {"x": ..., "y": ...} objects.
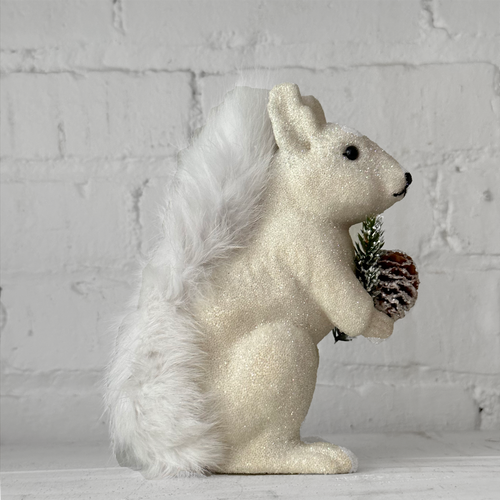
[{"x": 162, "y": 421}]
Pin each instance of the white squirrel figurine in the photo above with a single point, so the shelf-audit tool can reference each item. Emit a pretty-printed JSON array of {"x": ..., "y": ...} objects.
[{"x": 215, "y": 369}]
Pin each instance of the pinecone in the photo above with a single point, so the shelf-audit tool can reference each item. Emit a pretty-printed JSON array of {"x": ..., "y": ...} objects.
[{"x": 398, "y": 284}]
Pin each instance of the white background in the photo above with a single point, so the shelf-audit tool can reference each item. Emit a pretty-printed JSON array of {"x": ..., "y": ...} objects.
[{"x": 96, "y": 96}]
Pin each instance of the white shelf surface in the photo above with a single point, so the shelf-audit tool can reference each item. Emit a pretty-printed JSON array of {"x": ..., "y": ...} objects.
[{"x": 416, "y": 466}]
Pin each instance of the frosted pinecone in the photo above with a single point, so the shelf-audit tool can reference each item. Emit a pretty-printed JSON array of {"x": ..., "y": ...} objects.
[{"x": 398, "y": 284}]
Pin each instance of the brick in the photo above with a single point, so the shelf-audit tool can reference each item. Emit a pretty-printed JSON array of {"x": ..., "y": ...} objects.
[
  {"x": 468, "y": 17},
  {"x": 29, "y": 119},
  {"x": 429, "y": 109},
  {"x": 52, "y": 407},
  {"x": 60, "y": 323},
  {"x": 221, "y": 35},
  {"x": 124, "y": 171},
  {"x": 488, "y": 401},
  {"x": 49, "y": 227},
  {"x": 474, "y": 207},
  {"x": 390, "y": 407},
  {"x": 282, "y": 22},
  {"x": 471, "y": 316},
  {"x": 32, "y": 24},
  {"x": 99, "y": 115},
  {"x": 342, "y": 21},
  {"x": 455, "y": 327}
]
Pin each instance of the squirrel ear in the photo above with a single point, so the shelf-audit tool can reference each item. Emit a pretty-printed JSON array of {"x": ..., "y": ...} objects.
[
  {"x": 295, "y": 119},
  {"x": 314, "y": 104}
]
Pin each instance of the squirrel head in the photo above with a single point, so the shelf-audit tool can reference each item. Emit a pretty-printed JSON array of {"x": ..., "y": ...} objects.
[{"x": 328, "y": 170}]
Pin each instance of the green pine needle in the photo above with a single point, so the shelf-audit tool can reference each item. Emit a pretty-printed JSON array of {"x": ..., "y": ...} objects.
[{"x": 367, "y": 253}]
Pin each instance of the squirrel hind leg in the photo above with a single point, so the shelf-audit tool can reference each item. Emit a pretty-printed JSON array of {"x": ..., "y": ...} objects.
[{"x": 264, "y": 385}]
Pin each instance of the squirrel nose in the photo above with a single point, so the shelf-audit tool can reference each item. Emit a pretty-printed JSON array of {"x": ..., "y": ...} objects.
[{"x": 408, "y": 178}]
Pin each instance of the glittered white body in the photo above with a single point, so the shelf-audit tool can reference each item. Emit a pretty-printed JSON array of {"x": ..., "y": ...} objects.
[{"x": 253, "y": 311}]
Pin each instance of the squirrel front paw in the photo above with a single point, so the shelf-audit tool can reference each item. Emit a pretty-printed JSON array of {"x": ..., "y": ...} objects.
[{"x": 381, "y": 326}]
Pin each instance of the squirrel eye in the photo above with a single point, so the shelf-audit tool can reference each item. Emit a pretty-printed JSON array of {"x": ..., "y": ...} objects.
[{"x": 351, "y": 152}]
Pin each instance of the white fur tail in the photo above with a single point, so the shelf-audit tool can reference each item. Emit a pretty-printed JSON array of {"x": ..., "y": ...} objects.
[{"x": 162, "y": 421}]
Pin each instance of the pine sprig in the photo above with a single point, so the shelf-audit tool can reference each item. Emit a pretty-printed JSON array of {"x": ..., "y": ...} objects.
[{"x": 367, "y": 252}]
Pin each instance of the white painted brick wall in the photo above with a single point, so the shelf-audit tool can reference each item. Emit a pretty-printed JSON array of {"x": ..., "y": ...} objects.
[
  {"x": 98, "y": 114},
  {"x": 97, "y": 94}
]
